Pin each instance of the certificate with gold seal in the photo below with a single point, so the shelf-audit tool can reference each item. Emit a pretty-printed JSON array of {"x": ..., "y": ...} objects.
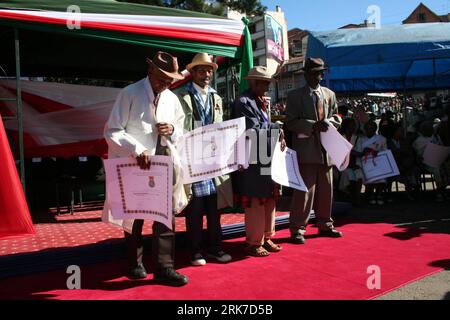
[
  {"x": 213, "y": 150},
  {"x": 134, "y": 193}
]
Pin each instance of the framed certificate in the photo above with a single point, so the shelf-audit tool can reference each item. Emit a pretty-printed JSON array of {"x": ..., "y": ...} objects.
[
  {"x": 337, "y": 147},
  {"x": 212, "y": 151},
  {"x": 285, "y": 170},
  {"x": 134, "y": 193},
  {"x": 435, "y": 155},
  {"x": 381, "y": 167}
]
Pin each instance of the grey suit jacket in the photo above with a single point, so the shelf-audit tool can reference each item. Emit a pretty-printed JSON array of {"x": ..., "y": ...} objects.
[{"x": 301, "y": 115}]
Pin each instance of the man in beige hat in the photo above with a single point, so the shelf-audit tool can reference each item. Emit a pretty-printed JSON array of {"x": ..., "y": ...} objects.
[
  {"x": 145, "y": 116},
  {"x": 255, "y": 188},
  {"x": 203, "y": 106},
  {"x": 306, "y": 111}
]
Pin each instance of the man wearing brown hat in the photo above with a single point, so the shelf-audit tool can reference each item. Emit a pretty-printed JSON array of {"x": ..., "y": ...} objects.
[
  {"x": 203, "y": 106},
  {"x": 254, "y": 186},
  {"x": 144, "y": 117},
  {"x": 306, "y": 111}
]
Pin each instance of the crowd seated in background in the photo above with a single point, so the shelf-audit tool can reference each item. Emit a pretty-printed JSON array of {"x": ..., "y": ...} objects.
[
  {"x": 371, "y": 144},
  {"x": 441, "y": 175},
  {"x": 351, "y": 179},
  {"x": 406, "y": 160},
  {"x": 373, "y": 125}
]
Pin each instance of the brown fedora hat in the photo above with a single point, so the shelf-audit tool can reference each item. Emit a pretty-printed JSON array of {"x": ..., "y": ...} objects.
[
  {"x": 314, "y": 64},
  {"x": 167, "y": 64}
]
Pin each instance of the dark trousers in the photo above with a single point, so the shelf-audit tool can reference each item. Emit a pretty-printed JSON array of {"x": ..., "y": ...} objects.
[
  {"x": 163, "y": 245},
  {"x": 194, "y": 223}
]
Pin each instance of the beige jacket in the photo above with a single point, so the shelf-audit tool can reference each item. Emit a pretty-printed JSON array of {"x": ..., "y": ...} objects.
[{"x": 223, "y": 183}]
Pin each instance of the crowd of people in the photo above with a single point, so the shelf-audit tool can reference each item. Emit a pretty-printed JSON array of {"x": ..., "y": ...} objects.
[{"x": 382, "y": 120}]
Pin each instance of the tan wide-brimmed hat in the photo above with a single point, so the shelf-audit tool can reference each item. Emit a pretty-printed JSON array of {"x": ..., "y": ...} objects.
[
  {"x": 201, "y": 59},
  {"x": 167, "y": 64},
  {"x": 260, "y": 73}
]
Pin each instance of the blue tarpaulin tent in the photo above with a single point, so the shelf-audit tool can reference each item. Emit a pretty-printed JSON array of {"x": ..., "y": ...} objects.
[{"x": 392, "y": 58}]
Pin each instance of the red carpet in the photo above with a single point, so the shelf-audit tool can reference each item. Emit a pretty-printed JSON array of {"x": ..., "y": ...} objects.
[
  {"x": 321, "y": 269},
  {"x": 82, "y": 228}
]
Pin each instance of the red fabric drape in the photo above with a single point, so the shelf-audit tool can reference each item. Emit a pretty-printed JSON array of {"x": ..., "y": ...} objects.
[{"x": 15, "y": 219}]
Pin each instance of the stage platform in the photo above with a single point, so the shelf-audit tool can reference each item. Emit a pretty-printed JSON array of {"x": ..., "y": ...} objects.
[{"x": 82, "y": 238}]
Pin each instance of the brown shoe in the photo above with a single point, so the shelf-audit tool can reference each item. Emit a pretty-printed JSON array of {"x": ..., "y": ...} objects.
[
  {"x": 270, "y": 246},
  {"x": 257, "y": 251}
]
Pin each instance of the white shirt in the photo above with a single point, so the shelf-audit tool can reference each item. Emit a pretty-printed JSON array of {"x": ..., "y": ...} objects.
[
  {"x": 318, "y": 90},
  {"x": 203, "y": 92},
  {"x": 131, "y": 127}
]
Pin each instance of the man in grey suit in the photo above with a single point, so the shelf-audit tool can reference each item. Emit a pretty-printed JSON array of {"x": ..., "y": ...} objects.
[{"x": 306, "y": 111}]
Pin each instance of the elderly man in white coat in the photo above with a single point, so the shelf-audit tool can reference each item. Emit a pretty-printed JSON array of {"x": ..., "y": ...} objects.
[{"x": 144, "y": 116}]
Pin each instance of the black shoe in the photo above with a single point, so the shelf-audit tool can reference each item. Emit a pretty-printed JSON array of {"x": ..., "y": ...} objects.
[
  {"x": 297, "y": 239},
  {"x": 220, "y": 256},
  {"x": 168, "y": 276},
  {"x": 138, "y": 272},
  {"x": 330, "y": 233}
]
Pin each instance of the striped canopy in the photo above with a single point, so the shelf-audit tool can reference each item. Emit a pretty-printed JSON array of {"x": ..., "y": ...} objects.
[
  {"x": 113, "y": 42},
  {"x": 113, "y": 38}
]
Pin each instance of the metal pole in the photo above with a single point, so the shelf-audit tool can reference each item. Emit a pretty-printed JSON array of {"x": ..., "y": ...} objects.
[
  {"x": 405, "y": 110},
  {"x": 215, "y": 74},
  {"x": 405, "y": 124},
  {"x": 233, "y": 83},
  {"x": 434, "y": 73},
  {"x": 19, "y": 107},
  {"x": 227, "y": 84}
]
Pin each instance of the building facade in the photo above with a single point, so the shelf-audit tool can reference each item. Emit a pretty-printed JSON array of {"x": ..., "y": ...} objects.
[
  {"x": 365, "y": 24},
  {"x": 270, "y": 49},
  {"x": 423, "y": 14},
  {"x": 291, "y": 75},
  {"x": 270, "y": 43}
]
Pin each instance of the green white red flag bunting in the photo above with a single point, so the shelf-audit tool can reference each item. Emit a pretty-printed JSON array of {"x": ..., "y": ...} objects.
[{"x": 210, "y": 30}]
